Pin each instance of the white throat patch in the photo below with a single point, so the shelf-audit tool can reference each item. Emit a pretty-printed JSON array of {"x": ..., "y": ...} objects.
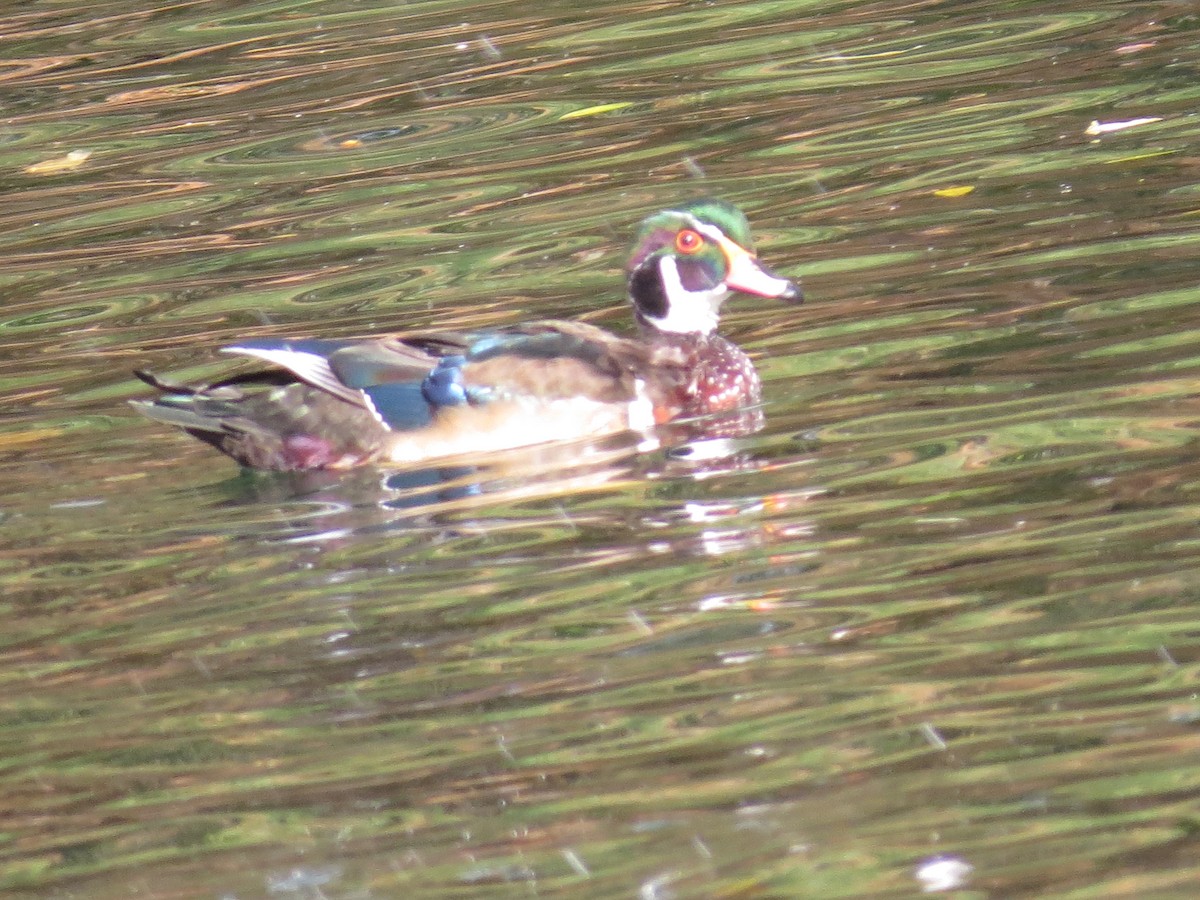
[{"x": 688, "y": 312}]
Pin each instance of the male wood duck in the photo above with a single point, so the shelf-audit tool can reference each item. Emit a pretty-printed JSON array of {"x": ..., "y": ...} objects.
[{"x": 335, "y": 404}]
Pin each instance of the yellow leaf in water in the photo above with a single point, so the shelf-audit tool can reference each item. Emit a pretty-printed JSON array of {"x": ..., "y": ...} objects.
[
  {"x": 959, "y": 190},
  {"x": 72, "y": 160},
  {"x": 32, "y": 436},
  {"x": 593, "y": 111}
]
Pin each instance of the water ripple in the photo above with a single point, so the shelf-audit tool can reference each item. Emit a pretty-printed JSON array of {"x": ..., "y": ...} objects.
[{"x": 949, "y": 590}]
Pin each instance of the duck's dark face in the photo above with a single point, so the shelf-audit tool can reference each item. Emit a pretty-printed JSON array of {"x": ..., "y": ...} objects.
[{"x": 686, "y": 261}]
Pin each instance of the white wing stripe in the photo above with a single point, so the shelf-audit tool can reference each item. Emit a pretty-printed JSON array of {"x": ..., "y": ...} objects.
[{"x": 308, "y": 367}]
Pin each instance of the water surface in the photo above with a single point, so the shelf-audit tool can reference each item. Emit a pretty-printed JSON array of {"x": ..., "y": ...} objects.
[{"x": 944, "y": 605}]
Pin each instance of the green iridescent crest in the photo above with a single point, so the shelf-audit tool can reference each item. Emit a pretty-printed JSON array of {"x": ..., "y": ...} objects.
[
  {"x": 731, "y": 220},
  {"x": 657, "y": 233}
]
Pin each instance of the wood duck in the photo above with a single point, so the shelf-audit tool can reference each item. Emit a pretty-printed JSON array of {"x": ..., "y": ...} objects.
[{"x": 334, "y": 404}]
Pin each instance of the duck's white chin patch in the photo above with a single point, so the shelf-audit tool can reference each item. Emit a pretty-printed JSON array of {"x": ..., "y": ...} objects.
[{"x": 688, "y": 312}]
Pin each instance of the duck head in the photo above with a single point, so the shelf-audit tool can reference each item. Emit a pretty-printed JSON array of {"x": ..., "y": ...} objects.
[{"x": 687, "y": 261}]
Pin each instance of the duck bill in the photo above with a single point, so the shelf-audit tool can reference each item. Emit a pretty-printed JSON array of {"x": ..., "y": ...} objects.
[{"x": 748, "y": 275}]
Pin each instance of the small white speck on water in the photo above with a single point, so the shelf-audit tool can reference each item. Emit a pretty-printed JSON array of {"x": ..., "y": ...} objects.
[
  {"x": 942, "y": 873},
  {"x": 565, "y": 517},
  {"x": 201, "y": 666},
  {"x": 657, "y": 888},
  {"x": 76, "y": 504},
  {"x": 502, "y": 746},
  {"x": 576, "y": 863},
  {"x": 932, "y": 737},
  {"x": 490, "y": 50},
  {"x": 1097, "y": 128}
]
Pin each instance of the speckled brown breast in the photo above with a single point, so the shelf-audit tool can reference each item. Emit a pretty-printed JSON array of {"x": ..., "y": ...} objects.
[
  {"x": 725, "y": 378},
  {"x": 721, "y": 385}
]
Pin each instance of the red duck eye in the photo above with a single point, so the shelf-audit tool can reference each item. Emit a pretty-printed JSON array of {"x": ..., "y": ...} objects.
[{"x": 688, "y": 241}]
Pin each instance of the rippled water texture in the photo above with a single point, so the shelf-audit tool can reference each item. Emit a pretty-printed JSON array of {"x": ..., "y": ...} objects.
[{"x": 944, "y": 606}]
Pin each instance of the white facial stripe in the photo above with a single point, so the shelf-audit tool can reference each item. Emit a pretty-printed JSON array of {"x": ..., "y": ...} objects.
[
  {"x": 688, "y": 312},
  {"x": 712, "y": 232}
]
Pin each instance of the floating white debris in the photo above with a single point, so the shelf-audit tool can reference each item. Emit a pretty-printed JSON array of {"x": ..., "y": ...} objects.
[
  {"x": 1097, "y": 128},
  {"x": 639, "y": 622},
  {"x": 576, "y": 863},
  {"x": 71, "y": 161},
  {"x": 943, "y": 873},
  {"x": 490, "y": 50},
  {"x": 657, "y": 888},
  {"x": 932, "y": 737},
  {"x": 738, "y": 659}
]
